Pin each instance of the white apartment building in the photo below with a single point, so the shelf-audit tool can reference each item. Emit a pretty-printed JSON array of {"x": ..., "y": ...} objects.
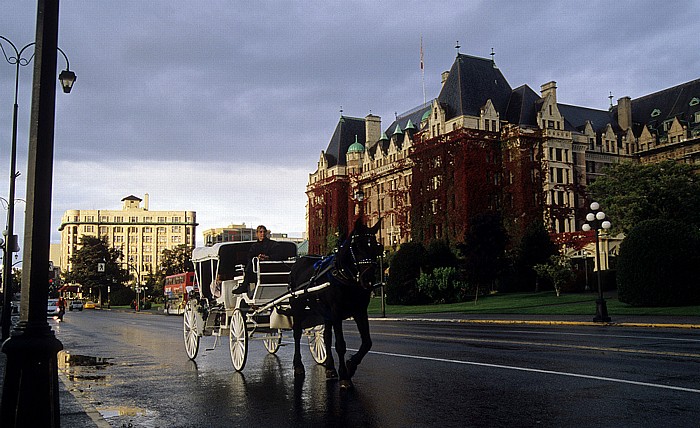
[{"x": 141, "y": 234}]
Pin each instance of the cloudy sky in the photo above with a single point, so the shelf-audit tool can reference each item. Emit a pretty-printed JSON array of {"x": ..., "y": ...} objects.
[{"x": 223, "y": 107}]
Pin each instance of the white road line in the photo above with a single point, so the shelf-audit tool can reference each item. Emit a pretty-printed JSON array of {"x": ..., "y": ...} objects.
[{"x": 526, "y": 369}]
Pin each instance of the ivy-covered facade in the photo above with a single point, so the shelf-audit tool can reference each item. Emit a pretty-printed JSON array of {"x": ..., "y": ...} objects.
[{"x": 482, "y": 146}]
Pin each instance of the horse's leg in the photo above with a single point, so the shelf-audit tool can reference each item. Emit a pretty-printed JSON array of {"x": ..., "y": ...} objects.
[
  {"x": 298, "y": 365},
  {"x": 362, "y": 321},
  {"x": 340, "y": 349},
  {"x": 331, "y": 372}
]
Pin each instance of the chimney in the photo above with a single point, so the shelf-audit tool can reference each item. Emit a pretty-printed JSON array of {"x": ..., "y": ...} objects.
[
  {"x": 624, "y": 113},
  {"x": 373, "y": 128},
  {"x": 445, "y": 75},
  {"x": 549, "y": 88},
  {"x": 145, "y": 202}
]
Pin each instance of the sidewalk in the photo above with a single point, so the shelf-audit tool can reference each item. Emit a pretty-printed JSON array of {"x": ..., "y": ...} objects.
[{"x": 76, "y": 412}]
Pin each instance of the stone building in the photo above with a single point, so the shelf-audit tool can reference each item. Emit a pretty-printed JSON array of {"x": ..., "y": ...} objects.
[
  {"x": 141, "y": 234},
  {"x": 482, "y": 146}
]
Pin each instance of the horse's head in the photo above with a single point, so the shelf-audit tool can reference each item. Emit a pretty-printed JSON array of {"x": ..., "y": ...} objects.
[{"x": 360, "y": 253}]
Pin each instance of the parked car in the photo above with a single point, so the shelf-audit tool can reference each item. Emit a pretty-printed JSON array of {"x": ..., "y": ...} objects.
[
  {"x": 52, "y": 308},
  {"x": 75, "y": 304},
  {"x": 89, "y": 305}
]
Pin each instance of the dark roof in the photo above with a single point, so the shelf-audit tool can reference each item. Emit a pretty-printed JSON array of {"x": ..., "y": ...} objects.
[
  {"x": 670, "y": 103},
  {"x": 521, "y": 106},
  {"x": 473, "y": 81},
  {"x": 343, "y": 137},
  {"x": 575, "y": 118},
  {"x": 132, "y": 198},
  {"x": 414, "y": 115}
]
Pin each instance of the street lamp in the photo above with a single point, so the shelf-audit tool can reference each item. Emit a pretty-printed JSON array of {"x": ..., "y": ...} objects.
[
  {"x": 30, "y": 393},
  {"x": 137, "y": 288},
  {"x": 596, "y": 221},
  {"x": 67, "y": 78}
]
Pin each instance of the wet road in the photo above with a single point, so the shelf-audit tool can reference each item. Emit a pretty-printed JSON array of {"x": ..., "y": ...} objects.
[{"x": 418, "y": 374}]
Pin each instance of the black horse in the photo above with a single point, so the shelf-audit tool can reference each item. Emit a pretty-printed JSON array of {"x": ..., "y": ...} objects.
[{"x": 350, "y": 271}]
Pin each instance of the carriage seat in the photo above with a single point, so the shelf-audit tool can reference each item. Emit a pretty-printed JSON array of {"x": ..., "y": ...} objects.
[{"x": 273, "y": 279}]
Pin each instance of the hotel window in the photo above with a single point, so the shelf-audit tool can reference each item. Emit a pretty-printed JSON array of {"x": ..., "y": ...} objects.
[
  {"x": 161, "y": 229},
  {"x": 133, "y": 219},
  {"x": 89, "y": 218},
  {"x": 176, "y": 219},
  {"x": 133, "y": 229},
  {"x": 103, "y": 230},
  {"x": 176, "y": 229},
  {"x": 161, "y": 219},
  {"x": 148, "y": 229},
  {"x": 119, "y": 238},
  {"x": 148, "y": 219},
  {"x": 176, "y": 239},
  {"x": 118, "y": 219},
  {"x": 89, "y": 229},
  {"x": 147, "y": 239},
  {"x": 118, "y": 229},
  {"x": 104, "y": 218}
]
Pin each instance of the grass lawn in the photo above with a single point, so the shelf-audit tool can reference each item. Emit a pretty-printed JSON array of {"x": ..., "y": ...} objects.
[{"x": 544, "y": 303}]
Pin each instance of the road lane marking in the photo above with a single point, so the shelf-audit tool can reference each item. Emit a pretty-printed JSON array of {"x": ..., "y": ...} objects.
[
  {"x": 551, "y": 345},
  {"x": 531, "y": 370}
]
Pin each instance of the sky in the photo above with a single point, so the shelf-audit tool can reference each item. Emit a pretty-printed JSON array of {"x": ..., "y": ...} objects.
[{"x": 223, "y": 107}]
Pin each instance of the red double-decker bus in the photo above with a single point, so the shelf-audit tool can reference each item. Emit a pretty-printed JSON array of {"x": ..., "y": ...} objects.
[{"x": 175, "y": 289}]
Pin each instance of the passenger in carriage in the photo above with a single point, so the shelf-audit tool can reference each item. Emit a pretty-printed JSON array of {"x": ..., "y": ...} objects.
[{"x": 264, "y": 249}]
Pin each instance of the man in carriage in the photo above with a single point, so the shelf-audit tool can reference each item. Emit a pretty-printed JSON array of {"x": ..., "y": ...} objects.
[{"x": 264, "y": 249}]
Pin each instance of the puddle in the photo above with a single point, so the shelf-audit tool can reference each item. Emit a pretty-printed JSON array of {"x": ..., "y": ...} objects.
[
  {"x": 67, "y": 360},
  {"x": 119, "y": 411},
  {"x": 80, "y": 368}
]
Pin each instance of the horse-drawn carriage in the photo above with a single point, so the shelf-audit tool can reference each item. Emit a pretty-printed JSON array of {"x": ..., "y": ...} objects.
[
  {"x": 224, "y": 304},
  {"x": 311, "y": 296}
]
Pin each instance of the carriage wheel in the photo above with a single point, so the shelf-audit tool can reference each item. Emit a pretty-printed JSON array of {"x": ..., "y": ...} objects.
[
  {"x": 238, "y": 340},
  {"x": 272, "y": 341},
  {"x": 190, "y": 332},
  {"x": 316, "y": 344}
]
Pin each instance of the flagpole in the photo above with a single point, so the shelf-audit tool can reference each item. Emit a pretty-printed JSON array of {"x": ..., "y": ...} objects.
[{"x": 422, "y": 68}]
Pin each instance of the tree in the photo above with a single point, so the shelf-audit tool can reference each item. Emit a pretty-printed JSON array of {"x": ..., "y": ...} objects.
[
  {"x": 535, "y": 247},
  {"x": 176, "y": 260},
  {"x": 659, "y": 265},
  {"x": 404, "y": 270},
  {"x": 631, "y": 193},
  {"x": 91, "y": 252},
  {"x": 484, "y": 249},
  {"x": 557, "y": 271}
]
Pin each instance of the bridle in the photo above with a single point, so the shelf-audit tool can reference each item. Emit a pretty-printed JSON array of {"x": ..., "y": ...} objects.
[{"x": 353, "y": 274}]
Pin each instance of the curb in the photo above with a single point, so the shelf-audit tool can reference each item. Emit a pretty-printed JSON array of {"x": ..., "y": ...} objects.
[{"x": 542, "y": 322}]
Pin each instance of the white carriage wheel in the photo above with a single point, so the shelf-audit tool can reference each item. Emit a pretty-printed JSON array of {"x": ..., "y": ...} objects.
[
  {"x": 190, "y": 331},
  {"x": 272, "y": 341},
  {"x": 238, "y": 340},
  {"x": 317, "y": 344}
]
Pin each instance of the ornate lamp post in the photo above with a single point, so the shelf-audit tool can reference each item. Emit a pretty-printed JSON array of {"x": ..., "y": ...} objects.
[
  {"x": 30, "y": 389},
  {"x": 596, "y": 221},
  {"x": 67, "y": 78}
]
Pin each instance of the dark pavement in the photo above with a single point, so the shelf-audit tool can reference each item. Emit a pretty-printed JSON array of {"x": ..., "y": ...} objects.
[{"x": 77, "y": 413}]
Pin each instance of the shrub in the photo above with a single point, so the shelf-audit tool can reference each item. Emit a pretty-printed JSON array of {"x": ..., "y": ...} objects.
[
  {"x": 659, "y": 265},
  {"x": 443, "y": 285},
  {"x": 404, "y": 270}
]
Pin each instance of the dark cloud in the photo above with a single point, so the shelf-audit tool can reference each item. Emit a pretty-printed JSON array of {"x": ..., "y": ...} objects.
[{"x": 248, "y": 81}]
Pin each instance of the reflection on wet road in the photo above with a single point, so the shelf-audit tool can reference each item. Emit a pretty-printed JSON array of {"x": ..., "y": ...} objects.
[{"x": 133, "y": 369}]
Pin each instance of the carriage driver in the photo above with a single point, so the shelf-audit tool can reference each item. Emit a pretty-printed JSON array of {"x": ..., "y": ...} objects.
[{"x": 263, "y": 249}]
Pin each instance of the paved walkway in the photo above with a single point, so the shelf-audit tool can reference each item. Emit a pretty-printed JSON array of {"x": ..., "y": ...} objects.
[{"x": 76, "y": 412}]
